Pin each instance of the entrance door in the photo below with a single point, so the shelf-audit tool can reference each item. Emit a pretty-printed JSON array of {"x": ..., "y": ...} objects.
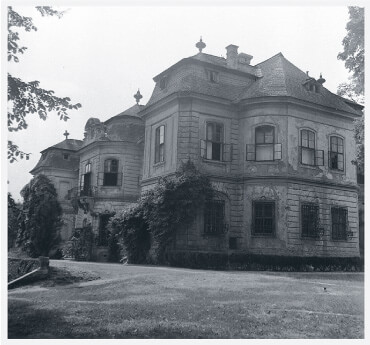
[
  {"x": 87, "y": 184},
  {"x": 103, "y": 231}
]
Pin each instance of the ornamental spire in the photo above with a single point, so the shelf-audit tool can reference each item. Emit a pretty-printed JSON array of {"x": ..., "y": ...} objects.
[
  {"x": 200, "y": 45},
  {"x": 138, "y": 96},
  {"x": 66, "y": 134}
]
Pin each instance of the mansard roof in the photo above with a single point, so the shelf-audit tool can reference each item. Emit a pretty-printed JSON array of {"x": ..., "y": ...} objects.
[
  {"x": 132, "y": 111},
  {"x": 273, "y": 77},
  {"x": 52, "y": 157},
  {"x": 67, "y": 144},
  {"x": 282, "y": 78}
]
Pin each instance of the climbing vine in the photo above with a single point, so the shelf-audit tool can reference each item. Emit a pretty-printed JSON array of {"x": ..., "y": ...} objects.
[{"x": 149, "y": 227}]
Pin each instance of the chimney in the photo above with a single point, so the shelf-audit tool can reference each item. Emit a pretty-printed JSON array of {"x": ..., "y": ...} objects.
[{"x": 232, "y": 56}]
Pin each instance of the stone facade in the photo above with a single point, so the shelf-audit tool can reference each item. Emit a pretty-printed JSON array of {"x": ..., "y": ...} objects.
[{"x": 275, "y": 143}]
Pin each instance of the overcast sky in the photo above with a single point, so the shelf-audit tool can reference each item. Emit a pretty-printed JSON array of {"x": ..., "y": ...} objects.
[{"x": 100, "y": 56}]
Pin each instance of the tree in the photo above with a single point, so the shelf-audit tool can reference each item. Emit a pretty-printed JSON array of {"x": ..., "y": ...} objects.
[
  {"x": 13, "y": 213},
  {"x": 26, "y": 98},
  {"x": 40, "y": 218},
  {"x": 354, "y": 56}
]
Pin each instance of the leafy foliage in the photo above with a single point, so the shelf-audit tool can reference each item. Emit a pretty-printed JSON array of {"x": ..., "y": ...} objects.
[
  {"x": 149, "y": 227},
  {"x": 26, "y": 98},
  {"x": 354, "y": 56},
  {"x": 80, "y": 247},
  {"x": 40, "y": 217},
  {"x": 353, "y": 48}
]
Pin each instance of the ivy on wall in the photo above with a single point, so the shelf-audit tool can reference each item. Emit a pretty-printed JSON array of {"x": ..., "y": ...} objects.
[{"x": 149, "y": 227}]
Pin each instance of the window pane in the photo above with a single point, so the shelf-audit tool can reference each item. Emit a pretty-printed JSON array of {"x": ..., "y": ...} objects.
[
  {"x": 263, "y": 218},
  {"x": 161, "y": 134},
  {"x": 209, "y": 150},
  {"x": 264, "y": 152},
  {"x": 269, "y": 135},
  {"x": 209, "y": 131},
  {"x": 304, "y": 136},
  {"x": 218, "y": 134},
  {"x": 260, "y": 136},
  {"x": 216, "y": 151},
  {"x": 308, "y": 156}
]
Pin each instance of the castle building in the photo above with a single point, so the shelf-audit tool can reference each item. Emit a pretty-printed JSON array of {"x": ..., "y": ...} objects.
[{"x": 276, "y": 144}]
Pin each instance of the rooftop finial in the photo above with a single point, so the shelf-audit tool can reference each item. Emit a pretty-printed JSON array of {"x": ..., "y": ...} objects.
[
  {"x": 66, "y": 134},
  {"x": 138, "y": 96},
  {"x": 321, "y": 80},
  {"x": 200, "y": 45}
]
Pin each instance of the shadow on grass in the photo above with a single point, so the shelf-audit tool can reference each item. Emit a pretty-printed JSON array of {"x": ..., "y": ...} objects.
[{"x": 26, "y": 321}]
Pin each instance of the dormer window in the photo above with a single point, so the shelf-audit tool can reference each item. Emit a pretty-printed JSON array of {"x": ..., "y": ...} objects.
[
  {"x": 163, "y": 83},
  {"x": 212, "y": 76},
  {"x": 66, "y": 156},
  {"x": 311, "y": 85}
]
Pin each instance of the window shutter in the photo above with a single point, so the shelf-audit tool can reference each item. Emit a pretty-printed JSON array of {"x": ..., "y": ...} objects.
[
  {"x": 251, "y": 152},
  {"x": 119, "y": 179},
  {"x": 319, "y": 157},
  {"x": 277, "y": 151},
  {"x": 203, "y": 148}
]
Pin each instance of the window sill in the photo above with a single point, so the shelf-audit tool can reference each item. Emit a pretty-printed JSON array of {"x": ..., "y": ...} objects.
[
  {"x": 155, "y": 165},
  {"x": 276, "y": 161},
  {"x": 263, "y": 236},
  {"x": 335, "y": 171},
  {"x": 111, "y": 186},
  {"x": 310, "y": 166},
  {"x": 214, "y": 161}
]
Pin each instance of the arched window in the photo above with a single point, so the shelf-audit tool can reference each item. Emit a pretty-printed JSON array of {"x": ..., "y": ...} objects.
[
  {"x": 265, "y": 139},
  {"x": 110, "y": 172},
  {"x": 336, "y": 153}
]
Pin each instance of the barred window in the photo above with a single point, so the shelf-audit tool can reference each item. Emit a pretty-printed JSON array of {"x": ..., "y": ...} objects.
[
  {"x": 159, "y": 144},
  {"x": 336, "y": 154},
  {"x": 339, "y": 223},
  {"x": 310, "y": 219},
  {"x": 110, "y": 172},
  {"x": 214, "y": 217},
  {"x": 214, "y": 141},
  {"x": 263, "y": 218}
]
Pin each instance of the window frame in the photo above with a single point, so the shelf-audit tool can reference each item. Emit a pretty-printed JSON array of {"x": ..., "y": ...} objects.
[
  {"x": 108, "y": 174},
  {"x": 213, "y": 141},
  {"x": 159, "y": 148},
  {"x": 336, "y": 152},
  {"x": 307, "y": 148},
  {"x": 346, "y": 225},
  {"x": 265, "y": 144},
  {"x": 254, "y": 218}
]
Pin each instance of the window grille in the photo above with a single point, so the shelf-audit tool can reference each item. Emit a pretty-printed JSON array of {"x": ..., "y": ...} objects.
[
  {"x": 310, "y": 220},
  {"x": 339, "y": 224},
  {"x": 336, "y": 154},
  {"x": 263, "y": 218},
  {"x": 214, "y": 217}
]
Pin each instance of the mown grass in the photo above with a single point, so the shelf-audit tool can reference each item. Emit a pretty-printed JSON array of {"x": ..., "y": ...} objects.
[{"x": 157, "y": 302}]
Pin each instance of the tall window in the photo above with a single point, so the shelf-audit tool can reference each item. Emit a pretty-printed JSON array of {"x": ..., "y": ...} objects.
[
  {"x": 214, "y": 141},
  {"x": 159, "y": 145},
  {"x": 310, "y": 219},
  {"x": 265, "y": 143},
  {"x": 85, "y": 188},
  {"x": 263, "y": 218},
  {"x": 307, "y": 147},
  {"x": 308, "y": 153},
  {"x": 339, "y": 223},
  {"x": 110, "y": 172},
  {"x": 336, "y": 154},
  {"x": 265, "y": 148},
  {"x": 214, "y": 217}
]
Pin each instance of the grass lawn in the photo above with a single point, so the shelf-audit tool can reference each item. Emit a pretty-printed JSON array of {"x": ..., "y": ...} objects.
[{"x": 95, "y": 300}]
